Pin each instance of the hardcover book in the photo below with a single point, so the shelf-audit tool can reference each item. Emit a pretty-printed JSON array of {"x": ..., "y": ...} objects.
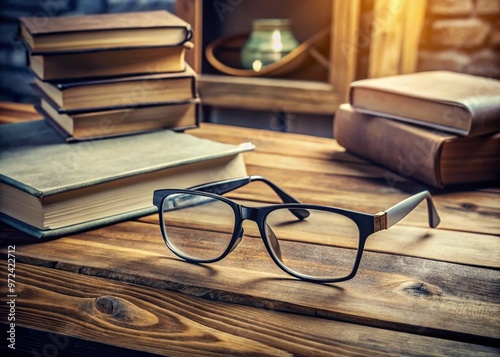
[
  {"x": 178, "y": 116},
  {"x": 89, "y": 33},
  {"x": 122, "y": 92},
  {"x": 49, "y": 188},
  {"x": 428, "y": 155},
  {"x": 109, "y": 63},
  {"x": 458, "y": 103}
]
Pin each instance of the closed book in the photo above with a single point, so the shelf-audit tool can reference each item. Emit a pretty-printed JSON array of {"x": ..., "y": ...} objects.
[
  {"x": 88, "y": 33},
  {"x": 458, "y": 103},
  {"x": 122, "y": 92},
  {"x": 110, "y": 63},
  {"x": 430, "y": 156},
  {"x": 178, "y": 116},
  {"x": 49, "y": 188}
]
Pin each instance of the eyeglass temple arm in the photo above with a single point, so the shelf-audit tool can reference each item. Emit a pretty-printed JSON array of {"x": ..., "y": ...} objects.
[
  {"x": 221, "y": 187},
  {"x": 399, "y": 211}
]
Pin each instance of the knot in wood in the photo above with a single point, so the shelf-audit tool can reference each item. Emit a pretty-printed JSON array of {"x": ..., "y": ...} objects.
[
  {"x": 123, "y": 312},
  {"x": 107, "y": 305},
  {"x": 469, "y": 206},
  {"x": 420, "y": 290}
]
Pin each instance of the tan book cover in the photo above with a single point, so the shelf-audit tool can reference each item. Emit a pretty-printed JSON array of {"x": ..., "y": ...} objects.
[
  {"x": 115, "y": 122},
  {"x": 109, "y": 63},
  {"x": 120, "y": 92},
  {"x": 428, "y": 155},
  {"x": 103, "y": 31},
  {"x": 454, "y": 102}
]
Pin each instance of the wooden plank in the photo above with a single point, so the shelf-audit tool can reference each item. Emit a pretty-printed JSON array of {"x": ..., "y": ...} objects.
[
  {"x": 402, "y": 293},
  {"x": 344, "y": 47},
  {"x": 191, "y": 12},
  {"x": 412, "y": 29},
  {"x": 402, "y": 240},
  {"x": 268, "y": 94},
  {"x": 459, "y": 211},
  {"x": 336, "y": 182},
  {"x": 431, "y": 283},
  {"x": 387, "y": 37},
  {"x": 158, "y": 321},
  {"x": 348, "y": 181},
  {"x": 314, "y": 165},
  {"x": 275, "y": 142},
  {"x": 34, "y": 342},
  {"x": 397, "y": 27}
]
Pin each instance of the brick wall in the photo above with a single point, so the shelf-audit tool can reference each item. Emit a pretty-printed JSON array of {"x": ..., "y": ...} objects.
[
  {"x": 15, "y": 78},
  {"x": 462, "y": 36}
]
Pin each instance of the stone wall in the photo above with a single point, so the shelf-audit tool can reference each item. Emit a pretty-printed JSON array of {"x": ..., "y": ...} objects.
[
  {"x": 15, "y": 78},
  {"x": 462, "y": 36}
]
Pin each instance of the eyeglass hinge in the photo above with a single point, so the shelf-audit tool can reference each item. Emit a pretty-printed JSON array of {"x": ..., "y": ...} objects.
[{"x": 380, "y": 221}]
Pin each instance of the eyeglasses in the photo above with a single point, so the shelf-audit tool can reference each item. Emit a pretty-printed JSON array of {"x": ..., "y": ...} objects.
[{"x": 310, "y": 242}]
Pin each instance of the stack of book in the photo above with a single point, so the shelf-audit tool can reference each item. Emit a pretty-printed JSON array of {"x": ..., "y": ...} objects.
[
  {"x": 112, "y": 74},
  {"x": 101, "y": 77},
  {"x": 441, "y": 128}
]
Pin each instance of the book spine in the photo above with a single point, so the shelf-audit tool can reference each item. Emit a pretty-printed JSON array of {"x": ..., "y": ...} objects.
[
  {"x": 432, "y": 126},
  {"x": 406, "y": 150},
  {"x": 75, "y": 228},
  {"x": 194, "y": 87},
  {"x": 485, "y": 113},
  {"x": 14, "y": 183}
]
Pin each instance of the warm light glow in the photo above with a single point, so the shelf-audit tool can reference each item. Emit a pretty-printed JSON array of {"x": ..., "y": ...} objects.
[
  {"x": 277, "y": 45},
  {"x": 257, "y": 65}
]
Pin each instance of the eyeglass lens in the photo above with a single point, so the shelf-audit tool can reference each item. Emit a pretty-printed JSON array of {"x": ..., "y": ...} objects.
[
  {"x": 324, "y": 245},
  {"x": 183, "y": 213}
]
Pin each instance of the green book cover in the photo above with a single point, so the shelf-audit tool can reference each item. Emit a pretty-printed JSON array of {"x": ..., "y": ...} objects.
[{"x": 50, "y": 188}]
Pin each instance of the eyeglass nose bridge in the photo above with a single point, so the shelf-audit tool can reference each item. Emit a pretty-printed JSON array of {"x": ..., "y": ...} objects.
[
  {"x": 252, "y": 214},
  {"x": 241, "y": 231},
  {"x": 249, "y": 213}
]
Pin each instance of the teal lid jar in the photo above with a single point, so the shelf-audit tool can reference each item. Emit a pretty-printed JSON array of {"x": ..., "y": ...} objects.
[{"x": 269, "y": 41}]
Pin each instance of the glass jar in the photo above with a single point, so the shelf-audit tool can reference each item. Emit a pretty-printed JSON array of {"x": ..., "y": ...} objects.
[{"x": 270, "y": 41}]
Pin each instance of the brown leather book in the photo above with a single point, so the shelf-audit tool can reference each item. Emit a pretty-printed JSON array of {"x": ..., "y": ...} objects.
[
  {"x": 109, "y": 63},
  {"x": 428, "y": 155},
  {"x": 122, "y": 92},
  {"x": 458, "y": 103},
  {"x": 88, "y": 33},
  {"x": 115, "y": 122}
]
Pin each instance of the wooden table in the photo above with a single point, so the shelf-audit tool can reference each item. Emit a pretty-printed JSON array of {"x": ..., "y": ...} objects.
[{"x": 418, "y": 292}]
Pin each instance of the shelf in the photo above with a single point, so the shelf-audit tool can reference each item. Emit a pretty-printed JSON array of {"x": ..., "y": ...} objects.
[{"x": 268, "y": 94}]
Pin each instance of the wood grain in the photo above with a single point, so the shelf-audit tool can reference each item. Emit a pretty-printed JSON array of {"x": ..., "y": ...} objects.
[
  {"x": 174, "y": 324},
  {"x": 268, "y": 94},
  {"x": 418, "y": 292},
  {"x": 319, "y": 171},
  {"x": 396, "y": 292},
  {"x": 402, "y": 240},
  {"x": 191, "y": 12},
  {"x": 464, "y": 211},
  {"x": 387, "y": 38},
  {"x": 412, "y": 30},
  {"x": 397, "y": 26},
  {"x": 344, "y": 49}
]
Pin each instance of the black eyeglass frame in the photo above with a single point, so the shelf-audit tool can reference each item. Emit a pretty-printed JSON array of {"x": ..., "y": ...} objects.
[{"x": 367, "y": 223}]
